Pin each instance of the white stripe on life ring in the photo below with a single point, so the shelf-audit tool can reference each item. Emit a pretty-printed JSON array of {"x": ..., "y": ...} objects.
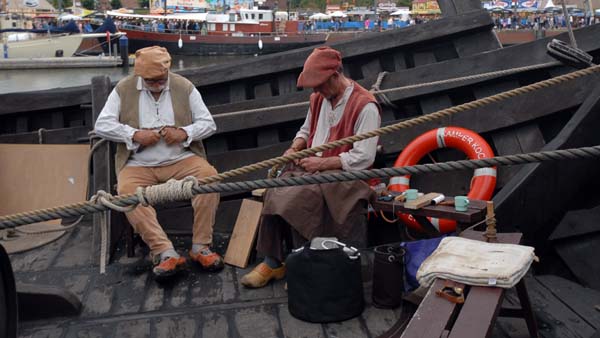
[
  {"x": 435, "y": 222},
  {"x": 400, "y": 180},
  {"x": 440, "y": 138},
  {"x": 485, "y": 172}
]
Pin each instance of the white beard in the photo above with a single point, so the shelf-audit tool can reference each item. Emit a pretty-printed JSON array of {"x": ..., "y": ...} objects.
[{"x": 156, "y": 89}]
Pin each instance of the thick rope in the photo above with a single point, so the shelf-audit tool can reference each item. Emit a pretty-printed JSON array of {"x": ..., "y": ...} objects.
[{"x": 82, "y": 208}]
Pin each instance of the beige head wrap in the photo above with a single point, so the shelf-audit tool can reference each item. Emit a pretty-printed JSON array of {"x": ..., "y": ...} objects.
[{"x": 152, "y": 62}]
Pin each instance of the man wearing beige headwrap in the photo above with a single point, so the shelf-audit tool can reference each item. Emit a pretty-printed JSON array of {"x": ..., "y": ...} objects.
[{"x": 159, "y": 120}]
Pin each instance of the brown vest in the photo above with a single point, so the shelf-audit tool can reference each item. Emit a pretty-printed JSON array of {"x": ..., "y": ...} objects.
[
  {"x": 356, "y": 102},
  {"x": 180, "y": 89}
]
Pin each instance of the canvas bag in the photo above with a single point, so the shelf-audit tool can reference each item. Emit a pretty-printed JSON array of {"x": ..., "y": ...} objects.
[{"x": 324, "y": 284}]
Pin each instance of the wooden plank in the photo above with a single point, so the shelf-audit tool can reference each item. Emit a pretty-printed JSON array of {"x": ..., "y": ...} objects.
[
  {"x": 580, "y": 299},
  {"x": 580, "y": 255},
  {"x": 475, "y": 212},
  {"x": 421, "y": 201},
  {"x": 530, "y": 188},
  {"x": 432, "y": 316},
  {"x": 478, "y": 314},
  {"x": 44, "y": 99},
  {"x": 53, "y": 136},
  {"x": 577, "y": 223},
  {"x": 103, "y": 177},
  {"x": 244, "y": 233},
  {"x": 555, "y": 318}
]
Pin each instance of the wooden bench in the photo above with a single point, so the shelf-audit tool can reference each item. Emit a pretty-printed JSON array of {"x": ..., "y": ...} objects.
[{"x": 437, "y": 317}]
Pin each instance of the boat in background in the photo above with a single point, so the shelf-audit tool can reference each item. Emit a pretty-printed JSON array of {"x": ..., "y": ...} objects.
[
  {"x": 21, "y": 43},
  {"x": 251, "y": 31}
]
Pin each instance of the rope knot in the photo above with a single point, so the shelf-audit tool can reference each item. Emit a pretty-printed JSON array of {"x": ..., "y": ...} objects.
[{"x": 105, "y": 199}]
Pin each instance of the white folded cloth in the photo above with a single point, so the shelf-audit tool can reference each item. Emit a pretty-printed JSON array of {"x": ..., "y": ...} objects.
[{"x": 476, "y": 263}]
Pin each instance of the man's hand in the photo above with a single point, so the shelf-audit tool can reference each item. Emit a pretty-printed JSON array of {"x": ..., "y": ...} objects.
[
  {"x": 312, "y": 164},
  {"x": 291, "y": 151},
  {"x": 146, "y": 137},
  {"x": 173, "y": 135}
]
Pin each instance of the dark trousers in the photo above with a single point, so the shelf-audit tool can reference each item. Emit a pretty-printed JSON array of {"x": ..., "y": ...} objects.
[{"x": 276, "y": 237}]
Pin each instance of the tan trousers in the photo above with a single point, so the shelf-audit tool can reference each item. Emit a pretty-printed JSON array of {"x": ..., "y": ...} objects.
[{"x": 143, "y": 219}]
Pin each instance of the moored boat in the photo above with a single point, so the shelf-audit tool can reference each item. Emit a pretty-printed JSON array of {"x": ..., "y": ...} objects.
[{"x": 252, "y": 31}]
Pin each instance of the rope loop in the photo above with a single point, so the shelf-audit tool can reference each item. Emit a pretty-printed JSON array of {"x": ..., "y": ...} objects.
[
  {"x": 104, "y": 198},
  {"x": 377, "y": 91}
]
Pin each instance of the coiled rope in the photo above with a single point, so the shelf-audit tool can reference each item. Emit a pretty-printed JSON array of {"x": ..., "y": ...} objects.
[{"x": 153, "y": 195}]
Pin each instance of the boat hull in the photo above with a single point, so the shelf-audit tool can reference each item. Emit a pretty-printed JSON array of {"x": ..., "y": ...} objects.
[
  {"x": 196, "y": 44},
  {"x": 64, "y": 45}
]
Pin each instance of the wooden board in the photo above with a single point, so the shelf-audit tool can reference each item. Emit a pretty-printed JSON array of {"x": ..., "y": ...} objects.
[
  {"x": 421, "y": 201},
  {"x": 35, "y": 176},
  {"x": 578, "y": 222},
  {"x": 555, "y": 319},
  {"x": 580, "y": 254},
  {"x": 244, "y": 232},
  {"x": 580, "y": 299},
  {"x": 532, "y": 188}
]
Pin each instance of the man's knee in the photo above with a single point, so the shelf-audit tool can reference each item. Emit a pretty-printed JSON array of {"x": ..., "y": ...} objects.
[{"x": 125, "y": 187}]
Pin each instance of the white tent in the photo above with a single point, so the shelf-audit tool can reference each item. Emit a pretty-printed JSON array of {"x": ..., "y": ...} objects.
[
  {"x": 401, "y": 12},
  {"x": 68, "y": 17},
  {"x": 338, "y": 14},
  {"x": 319, "y": 16}
]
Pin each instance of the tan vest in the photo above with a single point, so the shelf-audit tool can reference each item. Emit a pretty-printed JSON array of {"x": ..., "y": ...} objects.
[{"x": 180, "y": 89}]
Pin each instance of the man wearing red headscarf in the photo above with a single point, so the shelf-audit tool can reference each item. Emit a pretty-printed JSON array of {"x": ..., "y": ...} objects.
[
  {"x": 158, "y": 120},
  {"x": 339, "y": 108}
]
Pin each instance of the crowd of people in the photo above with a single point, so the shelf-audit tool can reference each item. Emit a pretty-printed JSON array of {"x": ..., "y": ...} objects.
[{"x": 540, "y": 21}]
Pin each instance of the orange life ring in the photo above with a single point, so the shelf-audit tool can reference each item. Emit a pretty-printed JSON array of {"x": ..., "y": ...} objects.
[{"x": 467, "y": 141}]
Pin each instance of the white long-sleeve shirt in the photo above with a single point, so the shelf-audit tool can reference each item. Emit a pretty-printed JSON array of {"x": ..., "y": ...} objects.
[
  {"x": 154, "y": 114},
  {"x": 362, "y": 155}
]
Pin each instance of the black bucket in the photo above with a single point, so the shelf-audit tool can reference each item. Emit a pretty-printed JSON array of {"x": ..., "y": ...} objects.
[
  {"x": 388, "y": 276},
  {"x": 8, "y": 298}
]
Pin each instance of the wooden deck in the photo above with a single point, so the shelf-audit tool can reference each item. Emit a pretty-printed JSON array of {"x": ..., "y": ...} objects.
[{"x": 127, "y": 302}]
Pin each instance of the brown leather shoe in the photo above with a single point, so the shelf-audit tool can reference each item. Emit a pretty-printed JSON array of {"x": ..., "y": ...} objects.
[
  {"x": 261, "y": 275},
  {"x": 168, "y": 267},
  {"x": 208, "y": 260}
]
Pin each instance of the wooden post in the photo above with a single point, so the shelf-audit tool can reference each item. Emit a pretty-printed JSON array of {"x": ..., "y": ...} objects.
[
  {"x": 102, "y": 171},
  {"x": 490, "y": 231}
]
